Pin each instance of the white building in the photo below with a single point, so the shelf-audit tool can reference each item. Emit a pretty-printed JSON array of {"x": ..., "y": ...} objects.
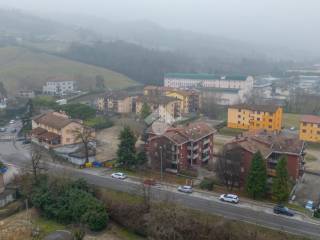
[
  {"x": 227, "y": 89},
  {"x": 59, "y": 88}
]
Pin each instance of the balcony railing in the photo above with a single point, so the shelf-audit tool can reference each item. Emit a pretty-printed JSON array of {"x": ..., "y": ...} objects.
[
  {"x": 206, "y": 141},
  {"x": 205, "y": 158},
  {"x": 194, "y": 156},
  {"x": 193, "y": 147}
]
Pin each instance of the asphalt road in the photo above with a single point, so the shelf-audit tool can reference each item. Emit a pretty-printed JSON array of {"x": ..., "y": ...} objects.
[{"x": 18, "y": 155}]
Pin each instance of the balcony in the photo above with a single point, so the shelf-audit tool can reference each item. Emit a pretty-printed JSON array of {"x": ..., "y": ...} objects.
[
  {"x": 205, "y": 158},
  {"x": 194, "y": 156},
  {"x": 206, "y": 150},
  {"x": 193, "y": 147},
  {"x": 271, "y": 172},
  {"x": 206, "y": 141}
]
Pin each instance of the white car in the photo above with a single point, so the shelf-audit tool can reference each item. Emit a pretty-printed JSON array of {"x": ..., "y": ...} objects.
[
  {"x": 309, "y": 205},
  {"x": 119, "y": 175},
  {"x": 185, "y": 189},
  {"x": 232, "y": 198},
  {"x": 12, "y": 121}
]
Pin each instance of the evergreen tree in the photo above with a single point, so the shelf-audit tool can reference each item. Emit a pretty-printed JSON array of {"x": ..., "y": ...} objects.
[
  {"x": 3, "y": 91},
  {"x": 145, "y": 111},
  {"x": 257, "y": 178},
  {"x": 126, "y": 151},
  {"x": 280, "y": 184}
]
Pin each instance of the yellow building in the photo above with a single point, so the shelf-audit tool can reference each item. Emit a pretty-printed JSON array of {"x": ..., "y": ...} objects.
[
  {"x": 254, "y": 117},
  {"x": 190, "y": 100},
  {"x": 310, "y": 128}
]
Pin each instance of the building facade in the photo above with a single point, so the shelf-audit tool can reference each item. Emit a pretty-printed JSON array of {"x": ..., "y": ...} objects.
[
  {"x": 116, "y": 102},
  {"x": 54, "y": 129},
  {"x": 252, "y": 117},
  {"x": 181, "y": 148},
  {"x": 310, "y": 128},
  {"x": 272, "y": 147},
  {"x": 190, "y": 99},
  {"x": 167, "y": 109},
  {"x": 26, "y": 94},
  {"x": 227, "y": 89},
  {"x": 59, "y": 88}
]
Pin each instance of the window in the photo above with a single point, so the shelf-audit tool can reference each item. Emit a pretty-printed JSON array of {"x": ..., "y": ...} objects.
[
  {"x": 238, "y": 122},
  {"x": 318, "y": 132},
  {"x": 258, "y": 119},
  {"x": 304, "y": 124},
  {"x": 239, "y": 116},
  {"x": 258, "y": 112},
  {"x": 258, "y": 124},
  {"x": 304, "y": 131},
  {"x": 270, "y": 126},
  {"x": 270, "y": 120}
]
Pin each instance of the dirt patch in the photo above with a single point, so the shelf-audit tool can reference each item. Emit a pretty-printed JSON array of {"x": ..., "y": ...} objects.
[
  {"x": 308, "y": 189},
  {"x": 107, "y": 143},
  {"x": 312, "y": 160}
]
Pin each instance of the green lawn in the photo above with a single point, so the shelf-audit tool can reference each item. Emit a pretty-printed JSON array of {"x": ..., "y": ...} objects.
[
  {"x": 291, "y": 120},
  {"x": 20, "y": 67},
  {"x": 230, "y": 131}
]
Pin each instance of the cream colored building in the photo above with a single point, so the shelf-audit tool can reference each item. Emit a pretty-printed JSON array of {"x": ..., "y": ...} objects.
[
  {"x": 55, "y": 129},
  {"x": 168, "y": 109},
  {"x": 116, "y": 101}
]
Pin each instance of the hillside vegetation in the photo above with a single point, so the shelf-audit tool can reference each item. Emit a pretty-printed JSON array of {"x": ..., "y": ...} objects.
[{"x": 20, "y": 67}]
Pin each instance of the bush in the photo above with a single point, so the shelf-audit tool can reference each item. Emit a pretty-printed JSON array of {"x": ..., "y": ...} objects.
[
  {"x": 317, "y": 213},
  {"x": 207, "y": 184},
  {"x": 69, "y": 202},
  {"x": 188, "y": 173}
]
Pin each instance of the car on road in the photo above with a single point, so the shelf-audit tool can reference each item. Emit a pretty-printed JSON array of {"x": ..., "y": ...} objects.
[
  {"x": 309, "y": 205},
  {"x": 232, "y": 198},
  {"x": 280, "y": 209},
  {"x": 119, "y": 175},
  {"x": 185, "y": 189},
  {"x": 12, "y": 121},
  {"x": 3, "y": 129},
  {"x": 26, "y": 141}
]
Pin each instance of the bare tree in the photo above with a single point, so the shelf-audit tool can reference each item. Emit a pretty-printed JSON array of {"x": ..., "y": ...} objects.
[
  {"x": 37, "y": 164},
  {"x": 85, "y": 135},
  {"x": 228, "y": 165}
]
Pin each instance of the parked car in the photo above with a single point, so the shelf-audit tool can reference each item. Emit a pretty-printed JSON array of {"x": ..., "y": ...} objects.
[
  {"x": 185, "y": 189},
  {"x": 232, "y": 198},
  {"x": 119, "y": 175},
  {"x": 280, "y": 209},
  {"x": 12, "y": 121},
  {"x": 3, "y": 129},
  {"x": 26, "y": 141},
  {"x": 309, "y": 205}
]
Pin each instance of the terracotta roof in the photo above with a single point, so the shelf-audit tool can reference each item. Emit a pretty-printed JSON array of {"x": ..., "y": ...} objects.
[
  {"x": 268, "y": 142},
  {"x": 53, "y": 119},
  {"x": 197, "y": 130},
  {"x": 48, "y": 136},
  {"x": 38, "y": 131},
  {"x": 310, "y": 119},
  {"x": 159, "y": 99},
  {"x": 117, "y": 95},
  {"x": 252, "y": 107},
  {"x": 176, "y": 136}
]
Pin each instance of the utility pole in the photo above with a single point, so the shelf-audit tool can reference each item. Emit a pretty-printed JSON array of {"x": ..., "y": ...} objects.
[{"x": 161, "y": 173}]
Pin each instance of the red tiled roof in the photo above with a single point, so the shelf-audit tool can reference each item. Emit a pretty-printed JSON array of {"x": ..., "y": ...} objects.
[
  {"x": 38, "y": 131},
  {"x": 310, "y": 119},
  {"x": 52, "y": 119},
  {"x": 48, "y": 136}
]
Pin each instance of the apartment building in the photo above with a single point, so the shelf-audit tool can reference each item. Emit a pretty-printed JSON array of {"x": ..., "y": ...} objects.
[
  {"x": 272, "y": 146},
  {"x": 251, "y": 117},
  {"x": 310, "y": 128},
  {"x": 116, "y": 102},
  {"x": 59, "y": 87},
  {"x": 190, "y": 99},
  {"x": 26, "y": 94},
  {"x": 54, "y": 129},
  {"x": 181, "y": 148},
  {"x": 166, "y": 109},
  {"x": 226, "y": 89}
]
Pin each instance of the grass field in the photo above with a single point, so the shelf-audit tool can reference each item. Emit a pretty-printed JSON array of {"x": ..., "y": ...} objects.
[
  {"x": 20, "y": 67},
  {"x": 291, "y": 120}
]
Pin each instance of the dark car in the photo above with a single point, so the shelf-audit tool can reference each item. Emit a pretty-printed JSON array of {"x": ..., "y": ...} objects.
[
  {"x": 279, "y": 209},
  {"x": 26, "y": 141}
]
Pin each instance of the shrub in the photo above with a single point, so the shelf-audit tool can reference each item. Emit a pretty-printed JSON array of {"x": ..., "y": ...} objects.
[
  {"x": 207, "y": 184},
  {"x": 317, "y": 213}
]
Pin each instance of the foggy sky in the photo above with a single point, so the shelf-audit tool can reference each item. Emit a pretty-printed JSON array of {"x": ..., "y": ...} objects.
[{"x": 291, "y": 23}]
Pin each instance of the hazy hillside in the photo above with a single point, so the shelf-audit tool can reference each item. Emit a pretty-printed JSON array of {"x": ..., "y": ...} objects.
[{"x": 20, "y": 67}]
